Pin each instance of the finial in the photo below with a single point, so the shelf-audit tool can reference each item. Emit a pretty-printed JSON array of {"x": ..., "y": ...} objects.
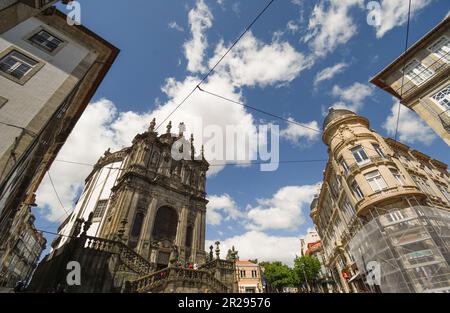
[
  {"x": 152, "y": 125},
  {"x": 217, "y": 243},
  {"x": 181, "y": 129},
  {"x": 192, "y": 147},
  {"x": 169, "y": 127}
]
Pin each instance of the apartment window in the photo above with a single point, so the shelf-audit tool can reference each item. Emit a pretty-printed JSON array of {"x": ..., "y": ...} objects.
[
  {"x": 359, "y": 154},
  {"x": 254, "y": 274},
  {"x": 43, "y": 39},
  {"x": 398, "y": 177},
  {"x": 17, "y": 65},
  {"x": 442, "y": 49},
  {"x": 344, "y": 166},
  {"x": 356, "y": 190},
  {"x": 423, "y": 185},
  {"x": 349, "y": 209},
  {"x": 443, "y": 97},
  {"x": 395, "y": 216},
  {"x": 242, "y": 273},
  {"x": 417, "y": 72},
  {"x": 378, "y": 150},
  {"x": 100, "y": 208},
  {"x": 444, "y": 191},
  {"x": 376, "y": 181}
]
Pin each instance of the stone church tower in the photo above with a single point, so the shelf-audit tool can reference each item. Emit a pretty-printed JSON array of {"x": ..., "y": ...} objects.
[
  {"x": 148, "y": 200},
  {"x": 139, "y": 220}
]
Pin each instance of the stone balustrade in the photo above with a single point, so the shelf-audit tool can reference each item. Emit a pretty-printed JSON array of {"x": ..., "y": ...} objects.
[{"x": 148, "y": 282}]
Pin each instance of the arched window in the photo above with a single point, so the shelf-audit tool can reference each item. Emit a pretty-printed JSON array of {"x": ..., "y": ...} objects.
[
  {"x": 189, "y": 236},
  {"x": 137, "y": 225},
  {"x": 165, "y": 225}
]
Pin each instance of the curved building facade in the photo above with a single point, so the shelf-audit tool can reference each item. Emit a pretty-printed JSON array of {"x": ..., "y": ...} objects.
[{"x": 366, "y": 176}]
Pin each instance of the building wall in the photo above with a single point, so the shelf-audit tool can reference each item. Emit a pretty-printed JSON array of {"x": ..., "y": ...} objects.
[
  {"x": 245, "y": 279},
  {"x": 98, "y": 187},
  {"x": 419, "y": 96},
  {"x": 26, "y": 101},
  {"x": 339, "y": 212}
]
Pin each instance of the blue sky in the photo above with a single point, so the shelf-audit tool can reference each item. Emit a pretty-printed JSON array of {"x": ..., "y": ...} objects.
[{"x": 304, "y": 38}]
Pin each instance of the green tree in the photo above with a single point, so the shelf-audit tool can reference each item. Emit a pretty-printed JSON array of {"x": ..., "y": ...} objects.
[
  {"x": 306, "y": 270},
  {"x": 277, "y": 275}
]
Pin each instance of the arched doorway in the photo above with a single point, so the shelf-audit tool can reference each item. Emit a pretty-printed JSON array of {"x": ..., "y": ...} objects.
[
  {"x": 165, "y": 224},
  {"x": 165, "y": 231}
]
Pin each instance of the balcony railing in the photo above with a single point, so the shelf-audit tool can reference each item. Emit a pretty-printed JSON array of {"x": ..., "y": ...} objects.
[
  {"x": 128, "y": 256},
  {"x": 372, "y": 160},
  {"x": 156, "y": 279}
]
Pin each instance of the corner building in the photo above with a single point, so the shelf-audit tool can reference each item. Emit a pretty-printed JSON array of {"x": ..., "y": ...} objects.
[{"x": 385, "y": 202}]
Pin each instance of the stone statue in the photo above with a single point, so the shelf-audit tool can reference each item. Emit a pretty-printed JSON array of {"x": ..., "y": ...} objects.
[
  {"x": 217, "y": 243},
  {"x": 174, "y": 255}
]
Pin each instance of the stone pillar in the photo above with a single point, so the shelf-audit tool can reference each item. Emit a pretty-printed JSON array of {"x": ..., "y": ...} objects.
[
  {"x": 181, "y": 228},
  {"x": 196, "y": 236},
  {"x": 147, "y": 228},
  {"x": 202, "y": 231}
]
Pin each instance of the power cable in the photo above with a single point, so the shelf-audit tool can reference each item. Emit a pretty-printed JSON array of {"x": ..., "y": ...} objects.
[
  {"x": 403, "y": 71},
  {"x": 216, "y": 64}
]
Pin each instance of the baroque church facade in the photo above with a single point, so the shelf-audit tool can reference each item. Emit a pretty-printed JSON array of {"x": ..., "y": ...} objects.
[{"x": 140, "y": 218}]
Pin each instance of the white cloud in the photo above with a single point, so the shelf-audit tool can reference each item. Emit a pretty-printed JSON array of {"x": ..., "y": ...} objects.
[
  {"x": 284, "y": 210},
  {"x": 395, "y": 13},
  {"x": 352, "y": 97},
  {"x": 292, "y": 27},
  {"x": 200, "y": 19},
  {"x": 261, "y": 246},
  {"x": 101, "y": 126},
  {"x": 295, "y": 133},
  {"x": 93, "y": 134},
  {"x": 252, "y": 62},
  {"x": 174, "y": 25},
  {"x": 411, "y": 128},
  {"x": 329, "y": 72},
  {"x": 218, "y": 204},
  {"x": 331, "y": 25}
]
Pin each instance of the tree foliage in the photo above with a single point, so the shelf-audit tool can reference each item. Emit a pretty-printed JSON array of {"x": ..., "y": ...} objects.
[
  {"x": 305, "y": 267},
  {"x": 277, "y": 274}
]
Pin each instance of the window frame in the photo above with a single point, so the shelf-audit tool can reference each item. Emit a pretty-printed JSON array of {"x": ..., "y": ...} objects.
[
  {"x": 344, "y": 166},
  {"x": 29, "y": 38},
  {"x": 412, "y": 78},
  {"x": 375, "y": 180},
  {"x": 357, "y": 190},
  {"x": 29, "y": 74},
  {"x": 96, "y": 216},
  {"x": 397, "y": 176},
  {"x": 443, "y": 106},
  {"x": 379, "y": 151},
  {"x": 357, "y": 149},
  {"x": 446, "y": 58}
]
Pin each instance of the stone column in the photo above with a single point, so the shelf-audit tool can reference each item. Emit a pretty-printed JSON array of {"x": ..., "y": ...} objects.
[
  {"x": 147, "y": 228},
  {"x": 196, "y": 236},
  {"x": 181, "y": 228}
]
